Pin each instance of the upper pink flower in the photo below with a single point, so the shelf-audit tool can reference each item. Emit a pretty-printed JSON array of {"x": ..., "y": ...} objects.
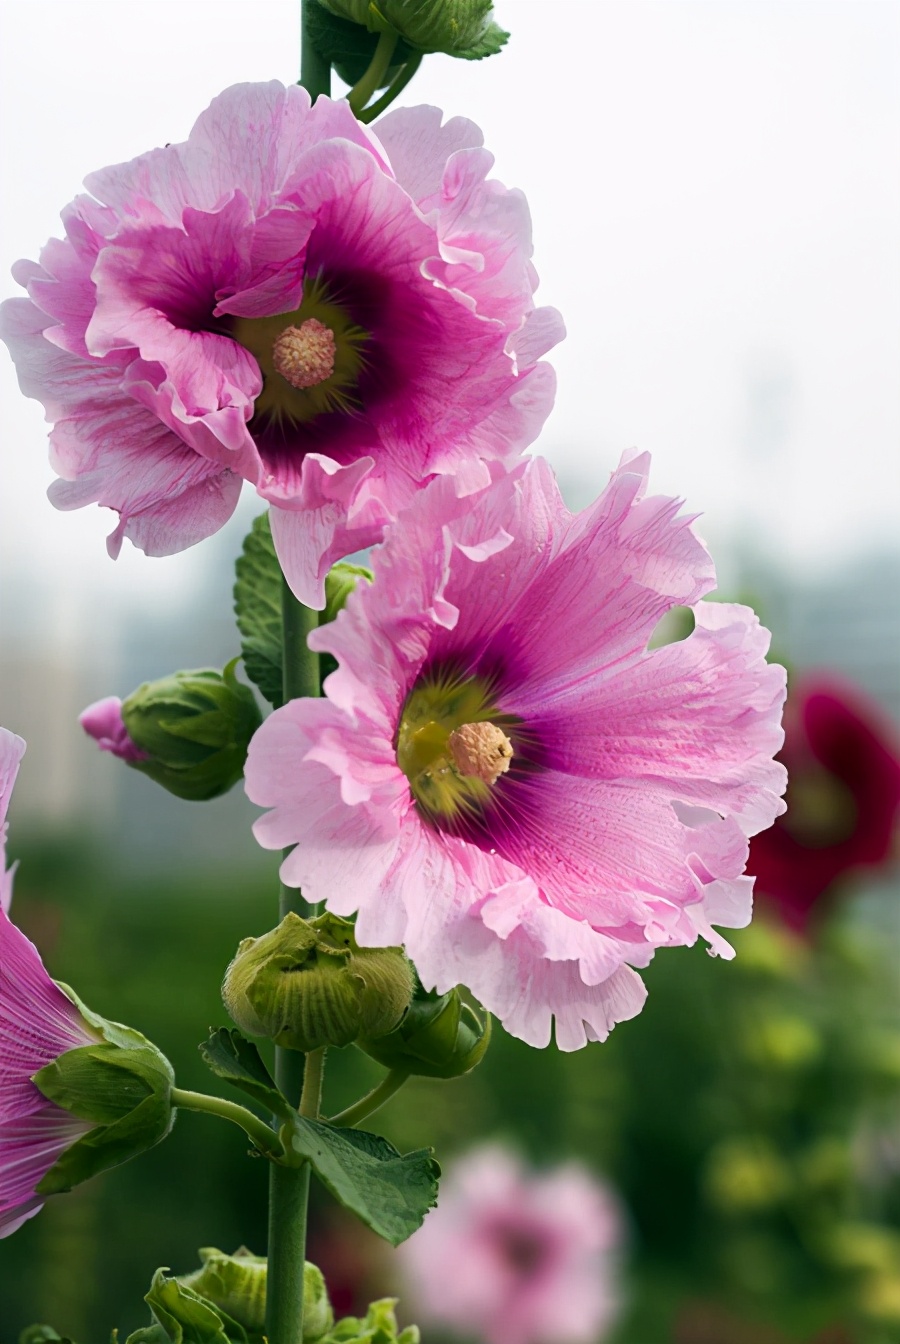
[
  {"x": 504, "y": 778},
  {"x": 286, "y": 299},
  {"x": 12, "y": 749},
  {"x": 517, "y": 1257},
  {"x": 37, "y": 1025},
  {"x": 843, "y": 759}
]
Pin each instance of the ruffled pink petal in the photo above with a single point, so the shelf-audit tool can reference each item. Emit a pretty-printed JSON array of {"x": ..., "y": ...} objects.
[
  {"x": 419, "y": 147},
  {"x": 334, "y": 513},
  {"x": 698, "y": 720}
]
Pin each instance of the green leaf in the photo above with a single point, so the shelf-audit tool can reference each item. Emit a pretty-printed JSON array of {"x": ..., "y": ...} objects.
[
  {"x": 231, "y": 1056},
  {"x": 389, "y": 1192},
  {"x": 257, "y": 608},
  {"x": 149, "y": 1334}
]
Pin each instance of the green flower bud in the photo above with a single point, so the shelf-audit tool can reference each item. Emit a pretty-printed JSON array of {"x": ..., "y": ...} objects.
[
  {"x": 307, "y": 984},
  {"x": 122, "y": 1085},
  {"x": 194, "y": 728},
  {"x": 463, "y": 28},
  {"x": 441, "y": 1036},
  {"x": 236, "y": 1285}
]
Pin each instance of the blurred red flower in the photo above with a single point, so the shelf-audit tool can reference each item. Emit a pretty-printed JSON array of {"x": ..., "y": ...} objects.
[{"x": 843, "y": 796}]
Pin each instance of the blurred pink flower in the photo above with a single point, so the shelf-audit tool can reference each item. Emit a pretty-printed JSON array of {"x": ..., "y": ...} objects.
[
  {"x": 103, "y": 721},
  {"x": 517, "y": 1257},
  {"x": 286, "y": 299},
  {"x": 503, "y": 778},
  {"x": 37, "y": 1025},
  {"x": 12, "y": 749},
  {"x": 843, "y": 761}
]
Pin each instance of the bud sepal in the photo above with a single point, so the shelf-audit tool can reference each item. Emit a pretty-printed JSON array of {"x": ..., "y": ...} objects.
[
  {"x": 441, "y": 1036},
  {"x": 122, "y": 1085}
]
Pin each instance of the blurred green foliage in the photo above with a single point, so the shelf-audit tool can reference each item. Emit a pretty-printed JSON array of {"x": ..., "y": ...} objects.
[{"x": 749, "y": 1119}]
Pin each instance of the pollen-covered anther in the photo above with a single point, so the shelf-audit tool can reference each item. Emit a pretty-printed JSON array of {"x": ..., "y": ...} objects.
[
  {"x": 480, "y": 749},
  {"x": 305, "y": 355}
]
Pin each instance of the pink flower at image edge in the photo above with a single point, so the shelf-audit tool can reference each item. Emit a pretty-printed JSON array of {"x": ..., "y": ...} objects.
[
  {"x": 503, "y": 778},
  {"x": 12, "y": 749},
  {"x": 37, "y": 1025}
]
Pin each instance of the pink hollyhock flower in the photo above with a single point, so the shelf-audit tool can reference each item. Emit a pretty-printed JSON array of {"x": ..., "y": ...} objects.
[
  {"x": 12, "y": 749},
  {"x": 517, "y": 1257},
  {"x": 103, "y": 721},
  {"x": 843, "y": 760},
  {"x": 286, "y": 299},
  {"x": 37, "y": 1025},
  {"x": 504, "y": 778}
]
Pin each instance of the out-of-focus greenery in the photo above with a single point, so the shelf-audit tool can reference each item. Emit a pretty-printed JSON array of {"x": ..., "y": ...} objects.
[{"x": 749, "y": 1118}]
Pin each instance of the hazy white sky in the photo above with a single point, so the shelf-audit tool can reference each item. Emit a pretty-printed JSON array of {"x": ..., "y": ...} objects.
[{"x": 715, "y": 186}]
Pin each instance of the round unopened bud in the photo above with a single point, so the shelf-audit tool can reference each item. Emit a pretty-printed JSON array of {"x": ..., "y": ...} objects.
[
  {"x": 307, "y": 984},
  {"x": 236, "y": 1284},
  {"x": 441, "y": 1036},
  {"x": 192, "y": 730}
]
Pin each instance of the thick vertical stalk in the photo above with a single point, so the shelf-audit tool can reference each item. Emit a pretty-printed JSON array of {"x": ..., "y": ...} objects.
[
  {"x": 288, "y": 1200},
  {"x": 315, "y": 71},
  {"x": 289, "y": 1186}
]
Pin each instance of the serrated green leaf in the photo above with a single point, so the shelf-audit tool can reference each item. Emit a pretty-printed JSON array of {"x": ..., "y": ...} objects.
[
  {"x": 389, "y": 1192},
  {"x": 257, "y": 608},
  {"x": 231, "y": 1056}
]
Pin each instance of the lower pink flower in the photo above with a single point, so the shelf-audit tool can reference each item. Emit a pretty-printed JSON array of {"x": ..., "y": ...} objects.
[
  {"x": 843, "y": 758},
  {"x": 12, "y": 749},
  {"x": 37, "y": 1025},
  {"x": 504, "y": 778},
  {"x": 517, "y": 1257}
]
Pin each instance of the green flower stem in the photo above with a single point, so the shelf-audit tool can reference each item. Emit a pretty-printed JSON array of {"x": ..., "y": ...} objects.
[
  {"x": 289, "y": 1186},
  {"x": 261, "y": 1134},
  {"x": 394, "y": 89},
  {"x": 379, "y": 65},
  {"x": 370, "y": 1103},
  {"x": 315, "y": 70},
  {"x": 313, "y": 1074},
  {"x": 300, "y": 677},
  {"x": 288, "y": 1200}
]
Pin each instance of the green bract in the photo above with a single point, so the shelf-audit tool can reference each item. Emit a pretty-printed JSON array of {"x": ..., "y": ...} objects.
[
  {"x": 463, "y": 28},
  {"x": 307, "y": 984},
  {"x": 123, "y": 1085},
  {"x": 378, "y": 1326},
  {"x": 236, "y": 1285},
  {"x": 195, "y": 727},
  {"x": 441, "y": 1036}
]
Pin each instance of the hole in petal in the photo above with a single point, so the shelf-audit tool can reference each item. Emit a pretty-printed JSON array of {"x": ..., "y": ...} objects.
[{"x": 676, "y": 625}]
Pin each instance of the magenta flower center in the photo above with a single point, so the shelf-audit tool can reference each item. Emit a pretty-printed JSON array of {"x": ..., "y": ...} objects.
[
  {"x": 305, "y": 355},
  {"x": 311, "y": 359}
]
